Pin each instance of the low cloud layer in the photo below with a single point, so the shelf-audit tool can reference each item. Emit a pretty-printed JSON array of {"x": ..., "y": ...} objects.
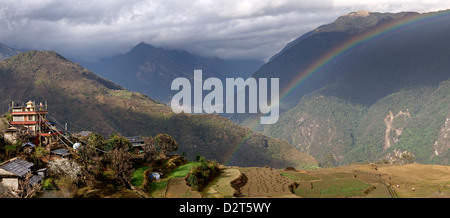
[{"x": 88, "y": 30}]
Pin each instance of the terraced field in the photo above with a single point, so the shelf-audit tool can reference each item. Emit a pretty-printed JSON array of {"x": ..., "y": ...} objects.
[
  {"x": 415, "y": 180},
  {"x": 265, "y": 182},
  {"x": 221, "y": 187},
  {"x": 354, "y": 181}
]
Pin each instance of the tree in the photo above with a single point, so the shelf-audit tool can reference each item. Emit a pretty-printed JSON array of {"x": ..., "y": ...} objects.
[
  {"x": 118, "y": 142},
  {"x": 3, "y": 126},
  {"x": 166, "y": 143},
  {"x": 201, "y": 175},
  {"x": 86, "y": 153},
  {"x": 149, "y": 148},
  {"x": 97, "y": 141},
  {"x": 25, "y": 189},
  {"x": 22, "y": 135},
  {"x": 120, "y": 163},
  {"x": 40, "y": 152},
  {"x": 66, "y": 187},
  {"x": 65, "y": 168}
]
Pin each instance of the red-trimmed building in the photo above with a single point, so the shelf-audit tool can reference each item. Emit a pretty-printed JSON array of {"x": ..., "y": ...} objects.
[{"x": 33, "y": 120}]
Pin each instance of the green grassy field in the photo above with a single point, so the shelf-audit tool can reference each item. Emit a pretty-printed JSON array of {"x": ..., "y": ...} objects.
[
  {"x": 183, "y": 170},
  {"x": 138, "y": 176},
  {"x": 333, "y": 188},
  {"x": 327, "y": 184},
  {"x": 158, "y": 189},
  {"x": 298, "y": 176}
]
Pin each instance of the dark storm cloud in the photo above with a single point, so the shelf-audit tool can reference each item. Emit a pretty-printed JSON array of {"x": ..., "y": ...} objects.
[{"x": 232, "y": 28}]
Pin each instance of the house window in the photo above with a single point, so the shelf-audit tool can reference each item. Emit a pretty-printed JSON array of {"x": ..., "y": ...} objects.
[{"x": 18, "y": 118}]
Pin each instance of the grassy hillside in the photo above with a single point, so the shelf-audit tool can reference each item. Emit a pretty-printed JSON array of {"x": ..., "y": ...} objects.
[
  {"x": 373, "y": 100},
  {"x": 88, "y": 102},
  {"x": 320, "y": 125},
  {"x": 337, "y": 131}
]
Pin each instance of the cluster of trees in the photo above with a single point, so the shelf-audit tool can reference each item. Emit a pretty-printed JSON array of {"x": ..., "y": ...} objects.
[
  {"x": 96, "y": 156},
  {"x": 117, "y": 153}
]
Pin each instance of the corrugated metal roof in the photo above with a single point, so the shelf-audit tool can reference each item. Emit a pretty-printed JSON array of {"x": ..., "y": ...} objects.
[{"x": 17, "y": 166}]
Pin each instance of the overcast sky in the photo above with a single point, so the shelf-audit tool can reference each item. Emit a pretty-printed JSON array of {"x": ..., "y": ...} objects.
[{"x": 92, "y": 29}]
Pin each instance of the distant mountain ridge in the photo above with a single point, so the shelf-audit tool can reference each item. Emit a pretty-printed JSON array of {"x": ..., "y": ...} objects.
[
  {"x": 150, "y": 70},
  {"x": 6, "y": 52},
  {"x": 300, "y": 53},
  {"x": 87, "y": 101},
  {"x": 352, "y": 109}
]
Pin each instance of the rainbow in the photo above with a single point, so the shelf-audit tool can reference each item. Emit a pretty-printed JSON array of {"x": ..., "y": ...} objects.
[
  {"x": 373, "y": 35},
  {"x": 370, "y": 36}
]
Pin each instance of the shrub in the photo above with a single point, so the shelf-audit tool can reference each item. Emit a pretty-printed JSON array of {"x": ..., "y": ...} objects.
[
  {"x": 66, "y": 187},
  {"x": 201, "y": 175},
  {"x": 238, "y": 183},
  {"x": 40, "y": 152},
  {"x": 146, "y": 181},
  {"x": 118, "y": 142},
  {"x": 166, "y": 143}
]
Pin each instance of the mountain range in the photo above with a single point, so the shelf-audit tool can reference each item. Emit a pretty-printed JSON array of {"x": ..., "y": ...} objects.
[
  {"x": 86, "y": 101},
  {"x": 366, "y": 87},
  {"x": 6, "y": 52},
  {"x": 151, "y": 70}
]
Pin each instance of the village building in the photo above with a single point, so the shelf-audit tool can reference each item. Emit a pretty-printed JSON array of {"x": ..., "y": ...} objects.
[
  {"x": 28, "y": 147},
  {"x": 15, "y": 170},
  {"x": 31, "y": 120},
  {"x": 83, "y": 134},
  {"x": 62, "y": 152},
  {"x": 137, "y": 142},
  {"x": 10, "y": 134}
]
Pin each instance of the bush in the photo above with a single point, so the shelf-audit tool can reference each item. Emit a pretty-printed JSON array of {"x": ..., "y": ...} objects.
[
  {"x": 175, "y": 162},
  {"x": 40, "y": 152},
  {"x": 66, "y": 187},
  {"x": 146, "y": 180},
  {"x": 118, "y": 142},
  {"x": 201, "y": 175},
  {"x": 238, "y": 183},
  {"x": 166, "y": 143}
]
